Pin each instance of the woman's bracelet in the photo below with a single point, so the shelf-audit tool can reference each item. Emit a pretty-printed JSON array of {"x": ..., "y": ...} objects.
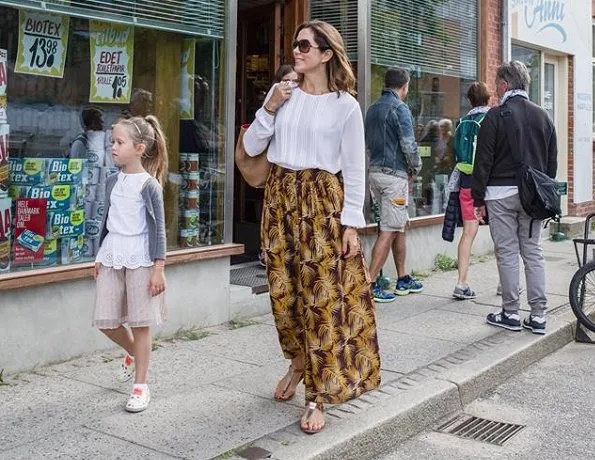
[{"x": 269, "y": 111}]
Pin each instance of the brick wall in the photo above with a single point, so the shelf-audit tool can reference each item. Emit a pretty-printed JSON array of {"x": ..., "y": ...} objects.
[{"x": 490, "y": 41}]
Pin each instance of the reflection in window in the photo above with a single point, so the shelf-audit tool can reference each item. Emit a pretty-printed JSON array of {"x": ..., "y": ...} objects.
[
  {"x": 532, "y": 59},
  {"x": 437, "y": 102},
  {"x": 51, "y": 119}
]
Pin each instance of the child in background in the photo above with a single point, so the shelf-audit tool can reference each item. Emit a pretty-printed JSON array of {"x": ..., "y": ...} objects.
[{"x": 129, "y": 268}]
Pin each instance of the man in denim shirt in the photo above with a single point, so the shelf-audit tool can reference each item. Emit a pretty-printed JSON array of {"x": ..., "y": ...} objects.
[{"x": 394, "y": 158}]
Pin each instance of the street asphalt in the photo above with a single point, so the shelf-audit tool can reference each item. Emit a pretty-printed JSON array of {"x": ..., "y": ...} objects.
[{"x": 212, "y": 389}]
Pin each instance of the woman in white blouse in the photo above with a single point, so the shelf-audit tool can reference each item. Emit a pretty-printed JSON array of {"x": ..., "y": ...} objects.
[{"x": 320, "y": 288}]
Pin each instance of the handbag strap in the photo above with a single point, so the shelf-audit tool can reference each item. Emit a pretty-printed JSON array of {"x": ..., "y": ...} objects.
[{"x": 510, "y": 125}]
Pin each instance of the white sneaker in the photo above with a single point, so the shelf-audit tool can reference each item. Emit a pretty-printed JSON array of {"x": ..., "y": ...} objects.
[
  {"x": 126, "y": 370},
  {"x": 138, "y": 400}
]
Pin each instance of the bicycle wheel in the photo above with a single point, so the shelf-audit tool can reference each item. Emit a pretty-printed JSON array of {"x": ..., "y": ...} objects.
[{"x": 582, "y": 295}]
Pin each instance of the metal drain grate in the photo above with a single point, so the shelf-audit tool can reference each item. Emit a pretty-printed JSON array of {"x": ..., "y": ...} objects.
[{"x": 480, "y": 429}]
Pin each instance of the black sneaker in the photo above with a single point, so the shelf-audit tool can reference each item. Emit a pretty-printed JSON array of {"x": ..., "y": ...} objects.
[
  {"x": 535, "y": 324},
  {"x": 510, "y": 321}
]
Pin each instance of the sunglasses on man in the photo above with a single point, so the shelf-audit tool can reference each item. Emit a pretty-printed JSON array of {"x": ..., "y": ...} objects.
[{"x": 304, "y": 46}]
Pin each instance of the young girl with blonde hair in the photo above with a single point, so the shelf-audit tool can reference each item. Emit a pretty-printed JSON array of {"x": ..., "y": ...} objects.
[{"x": 129, "y": 267}]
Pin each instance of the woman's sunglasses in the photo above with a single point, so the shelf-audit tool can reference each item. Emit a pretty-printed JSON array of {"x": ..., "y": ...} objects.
[{"x": 304, "y": 46}]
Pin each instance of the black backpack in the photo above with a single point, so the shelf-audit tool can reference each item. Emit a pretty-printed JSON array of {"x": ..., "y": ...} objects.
[{"x": 538, "y": 192}]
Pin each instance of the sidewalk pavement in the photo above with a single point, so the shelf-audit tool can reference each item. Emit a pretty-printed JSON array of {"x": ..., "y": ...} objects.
[{"x": 212, "y": 397}]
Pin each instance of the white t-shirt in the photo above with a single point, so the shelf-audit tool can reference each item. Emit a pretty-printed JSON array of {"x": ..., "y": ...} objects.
[
  {"x": 127, "y": 241},
  {"x": 321, "y": 132}
]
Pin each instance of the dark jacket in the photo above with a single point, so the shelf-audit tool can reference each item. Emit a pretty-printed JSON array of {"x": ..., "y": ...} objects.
[
  {"x": 452, "y": 217},
  {"x": 495, "y": 163},
  {"x": 390, "y": 139},
  {"x": 152, "y": 194}
]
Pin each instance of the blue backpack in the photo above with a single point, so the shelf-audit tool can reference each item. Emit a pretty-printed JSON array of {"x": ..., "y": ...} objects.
[{"x": 466, "y": 142}]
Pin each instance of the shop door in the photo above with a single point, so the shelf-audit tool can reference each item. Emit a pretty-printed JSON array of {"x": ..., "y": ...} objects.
[
  {"x": 257, "y": 57},
  {"x": 555, "y": 103}
]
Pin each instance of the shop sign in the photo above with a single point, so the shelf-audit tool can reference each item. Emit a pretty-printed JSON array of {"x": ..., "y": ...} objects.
[
  {"x": 29, "y": 231},
  {"x": 187, "y": 80},
  {"x": 5, "y": 233},
  {"x": 112, "y": 57},
  {"x": 43, "y": 42}
]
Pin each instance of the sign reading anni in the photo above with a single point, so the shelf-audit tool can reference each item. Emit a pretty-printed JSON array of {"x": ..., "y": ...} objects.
[
  {"x": 112, "y": 57},
  {"x": 43, "y": 41}
]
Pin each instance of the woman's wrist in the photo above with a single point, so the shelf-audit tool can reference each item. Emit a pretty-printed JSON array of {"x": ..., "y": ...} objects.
[{"x": 269, "y": 110}]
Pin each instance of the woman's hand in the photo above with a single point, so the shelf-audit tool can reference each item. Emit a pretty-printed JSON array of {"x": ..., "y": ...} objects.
[
  {"x": 281, "y": 93},
  {"x": 96, "y": 270},
  {"x": 350, "y": 242},
  {"x": 157, "y": 285}
]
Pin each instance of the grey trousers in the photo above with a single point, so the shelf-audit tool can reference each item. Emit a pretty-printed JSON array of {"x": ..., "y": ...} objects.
[{"x": 509, "y": 226}]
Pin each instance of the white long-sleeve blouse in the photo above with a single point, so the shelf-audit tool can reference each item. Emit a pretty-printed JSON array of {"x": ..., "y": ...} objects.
[{"x": 316, "y": 132}]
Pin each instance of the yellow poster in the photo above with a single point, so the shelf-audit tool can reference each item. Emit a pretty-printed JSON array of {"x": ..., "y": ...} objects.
[
  {"x": 43, "y": 42},
  {"x": 187, "y": 80},
  {"x": 112, "y": 57}
]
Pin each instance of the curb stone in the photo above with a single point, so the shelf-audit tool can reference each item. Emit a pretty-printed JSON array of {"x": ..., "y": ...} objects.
[{"x": 372, "y": 424}]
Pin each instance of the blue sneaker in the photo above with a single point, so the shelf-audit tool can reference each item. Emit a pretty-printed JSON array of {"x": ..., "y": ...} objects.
[
  {"x": 407, "y": 284},
  {"x": 382, "y": 296},
  {"x": 510, "y": 321}
]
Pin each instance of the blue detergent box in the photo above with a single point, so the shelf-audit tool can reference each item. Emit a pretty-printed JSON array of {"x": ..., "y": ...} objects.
[
  {"x": 64, "y": 171},
  {"x": 66, "y": 223},
  {"x": 26, "y": 171},
  {"x": 30, "y": 240}
]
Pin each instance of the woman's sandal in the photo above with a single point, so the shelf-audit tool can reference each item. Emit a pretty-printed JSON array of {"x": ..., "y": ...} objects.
[
  {"x": 306, "y": 420},
  {"x": 287, "y": 385}
]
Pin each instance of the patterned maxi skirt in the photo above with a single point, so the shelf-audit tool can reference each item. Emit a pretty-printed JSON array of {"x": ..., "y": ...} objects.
[{"x": 322, "y": 304}]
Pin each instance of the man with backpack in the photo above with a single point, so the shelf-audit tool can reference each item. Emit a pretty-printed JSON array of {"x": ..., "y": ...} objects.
[
  {"x": 515, "y": 138},
  {"x": 394, "y": 159},
  {"x": 464, "y": 146}
]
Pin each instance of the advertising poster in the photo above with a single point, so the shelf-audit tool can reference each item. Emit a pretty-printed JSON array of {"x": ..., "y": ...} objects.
[
  {"x": 112, "y": 57},
  {"x": 5, "y": 233},
  {"x": 4, "y": 169},
  {"x": 3, "y": 85},
  {"x": 29, "y": 230},
  {"x": 187, "y": 80},
  {"x": 43, "y": 43}
]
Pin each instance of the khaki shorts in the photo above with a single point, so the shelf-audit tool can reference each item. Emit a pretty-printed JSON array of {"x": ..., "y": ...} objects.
[
  {"x": 392, "y": 193},
  {"x": 122, "y": 296}
]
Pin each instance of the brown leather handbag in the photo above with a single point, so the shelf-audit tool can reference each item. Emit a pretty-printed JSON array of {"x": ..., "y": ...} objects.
[{"x": 255, "y": 170}]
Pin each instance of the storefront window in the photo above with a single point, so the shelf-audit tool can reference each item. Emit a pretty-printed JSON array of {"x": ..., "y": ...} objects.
[
  {"x": 437, "y": 102},
  {"x": 532, "y": 59},
  {"x": 437, "y": 42},
  {"x": 64, "y": 81}
]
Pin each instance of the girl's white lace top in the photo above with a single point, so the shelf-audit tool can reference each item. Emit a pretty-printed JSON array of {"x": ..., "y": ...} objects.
[{"x": 127, "y": 242}]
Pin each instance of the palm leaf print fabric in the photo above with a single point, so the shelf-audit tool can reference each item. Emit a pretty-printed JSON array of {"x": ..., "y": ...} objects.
[{"x": 322, "y": 303}]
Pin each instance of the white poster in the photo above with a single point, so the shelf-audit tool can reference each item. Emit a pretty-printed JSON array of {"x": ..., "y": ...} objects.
[
  {"x": 3, "y": 85},
  {"x": 187, "y": 80},
  {"x": 43, "y": 42},
  {"x": 112, "y": 58}
]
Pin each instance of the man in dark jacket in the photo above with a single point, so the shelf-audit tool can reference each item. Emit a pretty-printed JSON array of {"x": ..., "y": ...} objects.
[{"x": 495, "y": 186}]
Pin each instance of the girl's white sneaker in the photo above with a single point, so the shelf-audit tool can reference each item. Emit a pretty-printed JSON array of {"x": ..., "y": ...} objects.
[
  {"x": 138, "y": 400},
  {"x": 126, "y": 370}
]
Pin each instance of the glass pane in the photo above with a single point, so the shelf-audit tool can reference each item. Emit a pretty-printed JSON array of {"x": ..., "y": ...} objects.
[
  {"x": 531, "y": 58},
  {"x": 549, "y": 90},
  {"x": 594, "y": 98},
  {"x": 437, "y": 102},
  {"x": 51, "y": 122}
]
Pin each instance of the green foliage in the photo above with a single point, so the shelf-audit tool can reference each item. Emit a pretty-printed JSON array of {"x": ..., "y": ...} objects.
[
  {"x": 445, "y": 263},
  {"x": 238, "y": 323}
]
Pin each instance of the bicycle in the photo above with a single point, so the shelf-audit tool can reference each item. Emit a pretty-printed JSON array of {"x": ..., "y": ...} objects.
[{"x": 581, "y": 291}]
